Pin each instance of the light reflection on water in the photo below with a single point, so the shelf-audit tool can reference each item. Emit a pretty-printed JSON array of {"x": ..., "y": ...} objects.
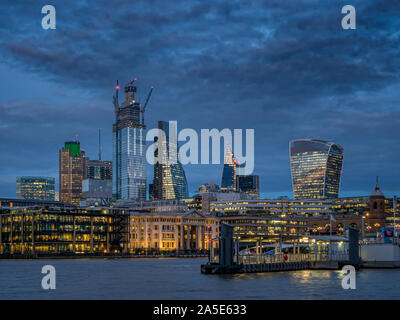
[{"x": 181, "y": 279}]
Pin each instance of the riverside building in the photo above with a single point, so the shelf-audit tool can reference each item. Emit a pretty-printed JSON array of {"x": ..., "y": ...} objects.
[
  {"x": 57, "y": 231},
  {"x": 171, "y": 231},
  {"x": 269, "y": 219}
]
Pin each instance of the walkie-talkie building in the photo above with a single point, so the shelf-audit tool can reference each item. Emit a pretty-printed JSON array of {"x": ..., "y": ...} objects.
[
  {"x": 129, "y": 149},
  {"x": 316, "y": 167}
]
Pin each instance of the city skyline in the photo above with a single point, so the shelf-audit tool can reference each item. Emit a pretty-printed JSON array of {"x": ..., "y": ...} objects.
[{"x": 243, "y": 69}]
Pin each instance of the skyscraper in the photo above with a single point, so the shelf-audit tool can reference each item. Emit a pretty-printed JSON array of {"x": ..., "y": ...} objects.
[
  {"x": 169, "y": 177},
  {"x": 98, "y": 169},
  {"x": 71, "y": 172},
  {"x": 248, "y": 184},
  {"x": 129, "y": 148},
  {"x": 35, "y": 188},
  {"x": 228, "y": 180},
  {"x": 316, "y": 168}
]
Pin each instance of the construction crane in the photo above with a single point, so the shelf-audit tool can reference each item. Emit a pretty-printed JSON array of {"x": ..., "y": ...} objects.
[
  {"x": 142, "y": 110},
  {"x": 115, "y": 98},
  {"x": 131, "y": 82},
  {"x": 116, "y": 107}
]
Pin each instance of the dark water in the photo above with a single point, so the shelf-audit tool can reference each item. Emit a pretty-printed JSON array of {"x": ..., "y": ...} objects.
[{"x": 181, "y": 279}]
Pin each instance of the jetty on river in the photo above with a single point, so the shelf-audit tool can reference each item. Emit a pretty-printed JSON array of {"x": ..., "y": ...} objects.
[{"x": 329, "y": 252}]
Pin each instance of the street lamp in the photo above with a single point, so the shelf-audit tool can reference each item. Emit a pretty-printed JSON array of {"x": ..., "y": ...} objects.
[{"x": 362, "y": 227}]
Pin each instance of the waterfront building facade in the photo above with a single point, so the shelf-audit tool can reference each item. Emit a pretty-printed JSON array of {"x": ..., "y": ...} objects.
[
  {"x": 252, "y": 224},
  {"x": 316, "y": 168},
  {"x": 287, "y": 207},
  {"x": 173, "y": 205},
  {"x": 248, "y": 184},
  {"x": 366, "y": 214},
  {"x": 71, "y": 172},
  {"x": 171, "y": 231},
  {"x": 169, "y": 177},
  {"x": 57, "y": 231},
  {"x": 201, "y": 201},
  {"x": 35, "y": 188},
  {"x": 129, "y": 150},
  {"x": 228, "y": 180},
  {"x": 11, "y": 202}
]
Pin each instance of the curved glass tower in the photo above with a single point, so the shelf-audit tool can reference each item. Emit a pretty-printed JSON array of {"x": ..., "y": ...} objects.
[
  {"x": 316, "y": 168},
  {"x": 169, "y": 177}
]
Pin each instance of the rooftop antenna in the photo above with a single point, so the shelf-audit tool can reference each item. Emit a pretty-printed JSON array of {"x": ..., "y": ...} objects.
[{"x": 100, "y": 144}]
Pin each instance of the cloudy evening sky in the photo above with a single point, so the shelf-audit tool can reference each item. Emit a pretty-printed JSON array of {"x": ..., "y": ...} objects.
[{"x": 286, "y": 69}]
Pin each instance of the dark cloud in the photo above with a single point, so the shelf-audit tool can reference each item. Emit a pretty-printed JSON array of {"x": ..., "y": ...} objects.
[{"x": 286, "y": 69}]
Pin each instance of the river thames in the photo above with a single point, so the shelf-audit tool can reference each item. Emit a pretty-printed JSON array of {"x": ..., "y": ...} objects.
[{"x": 166, "y": 279}]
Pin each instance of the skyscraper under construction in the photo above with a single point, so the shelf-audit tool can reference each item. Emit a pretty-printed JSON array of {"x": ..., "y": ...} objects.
[{"x": 129, "y": 147}]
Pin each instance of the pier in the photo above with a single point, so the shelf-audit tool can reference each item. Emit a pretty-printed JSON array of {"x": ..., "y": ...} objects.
[{"x": 226, "y": 258}]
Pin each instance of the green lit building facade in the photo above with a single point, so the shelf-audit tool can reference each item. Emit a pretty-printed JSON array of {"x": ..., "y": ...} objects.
[
  {"x": 35, "y": 188},
  {"x": 316, "y": 168}
]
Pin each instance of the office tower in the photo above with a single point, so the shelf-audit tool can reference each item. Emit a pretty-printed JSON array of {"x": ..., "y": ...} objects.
[
  {"x": 248, "y": 184},
  {"x": 98, "y": 169},
  {"x": 97, "y": 185},
  {"x": 316, "y": 168},
  {"x": 36, "y": 188},
  {"x": 169, "y": 177},
  {"x": 228, "y": 181},
  {"x": 72, "y": 172},
  {"x": 151, "y": 191},
  {"x": 129, "y": 148}
]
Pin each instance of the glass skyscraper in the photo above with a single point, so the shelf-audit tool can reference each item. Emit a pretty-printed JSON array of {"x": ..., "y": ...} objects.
[
  {"x": 316, "y": 167},
  {"x": 129, "y": 150},
  {"x": 98, "y": 169},
  {"x": 169, "y": 177},
  {"x": 248, "y": 184},
  {"x": 228, "y": 180},
  {"x": 36, "y": 188}
]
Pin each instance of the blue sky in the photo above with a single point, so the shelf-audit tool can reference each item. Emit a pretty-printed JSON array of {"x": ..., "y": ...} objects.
[{"x": 283, "y": 68}]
